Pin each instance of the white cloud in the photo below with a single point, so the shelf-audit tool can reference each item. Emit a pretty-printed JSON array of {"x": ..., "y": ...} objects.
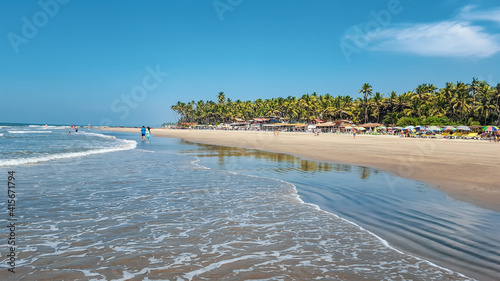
[
  {"x": 469, "y": 14},
  {"x": 464, "y": 36},
  {"x": 443, "y": 39}
]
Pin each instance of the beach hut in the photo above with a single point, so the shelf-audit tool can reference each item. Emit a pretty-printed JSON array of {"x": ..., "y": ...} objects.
[
  {"x": 318, "y": 121},
  {"x": 346, "y": 129},
  {"x": 370, "y": 126},
  {"x": 326, "y": 126}
]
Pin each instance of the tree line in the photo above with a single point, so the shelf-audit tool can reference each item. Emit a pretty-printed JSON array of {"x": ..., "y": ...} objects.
[{"x": 458, "y": 103}]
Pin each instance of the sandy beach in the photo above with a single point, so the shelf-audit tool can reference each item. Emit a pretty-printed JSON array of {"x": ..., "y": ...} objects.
[{"x": 466, "y": 170}]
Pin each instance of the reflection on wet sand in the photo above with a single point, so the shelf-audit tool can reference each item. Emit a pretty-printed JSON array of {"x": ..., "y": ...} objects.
[{"x": 293, "y": 163}]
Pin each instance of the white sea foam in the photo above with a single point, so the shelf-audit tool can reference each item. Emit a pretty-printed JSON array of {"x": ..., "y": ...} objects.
[
  {"x": 28, "y": 132},
  {"x": 216, "y": 265},
  {"x": 48, "y": 127},
  {"x": 1, "y": 135},
  {"x": 126, "y": 145},
  {"x": 194, "y": 162},
  {"x": 384, "y": 242},
  {"x": 97, "y": 135}
]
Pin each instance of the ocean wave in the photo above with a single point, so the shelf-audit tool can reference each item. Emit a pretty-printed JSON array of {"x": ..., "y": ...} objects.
[
  {"x": 127, "y": 145},
  {"x": 48, "y": 127},
  {"x": 1, "y": 135},
  {"x": 28, "y": 132},
  {"x": 96, "y": 135}
]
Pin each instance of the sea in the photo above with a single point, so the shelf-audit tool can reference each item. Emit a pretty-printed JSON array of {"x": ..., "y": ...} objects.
[{"x": 100, "y": 205}]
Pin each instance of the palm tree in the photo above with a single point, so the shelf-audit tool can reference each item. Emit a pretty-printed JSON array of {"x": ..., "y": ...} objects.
[
  {"x": 366, "y": 91},
  {"x": 497, "y": 104},
  {"x": 378, "y": 99},
  {"x": 485, "y": 103},
  {"x": 221, "y": 97},
  {"x": 457, "y": 102},
  {"x": 461, "y": 100}
]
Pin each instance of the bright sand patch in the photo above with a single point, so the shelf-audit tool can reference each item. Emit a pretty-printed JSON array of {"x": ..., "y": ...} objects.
[{"x": 468, "y": 170}]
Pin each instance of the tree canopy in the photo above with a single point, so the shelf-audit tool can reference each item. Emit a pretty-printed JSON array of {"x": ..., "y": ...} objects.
[{"x": 456, "y": 103}]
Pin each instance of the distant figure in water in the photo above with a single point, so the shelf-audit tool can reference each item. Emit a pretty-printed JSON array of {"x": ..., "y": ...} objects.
[
  {"x": 89, "y": 126},
  {"x": 76, "y": 129},
  {"x": 69, "y": 133},
  {"x": 148, "y": 132},
  {"x": 143, "y": 133}
]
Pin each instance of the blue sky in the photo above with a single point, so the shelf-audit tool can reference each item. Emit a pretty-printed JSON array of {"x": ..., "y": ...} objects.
[{"x": 126, "y": 62}]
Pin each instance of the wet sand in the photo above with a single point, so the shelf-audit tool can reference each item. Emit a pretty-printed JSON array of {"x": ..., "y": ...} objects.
[{"x": 466, "y": 170}]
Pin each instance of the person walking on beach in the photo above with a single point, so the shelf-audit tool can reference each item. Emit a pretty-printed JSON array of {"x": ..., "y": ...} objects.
[
  {"x": 148, "y": 132},
  {"x": 354, "y": 134},
  {"x": 143, "y": 133}
]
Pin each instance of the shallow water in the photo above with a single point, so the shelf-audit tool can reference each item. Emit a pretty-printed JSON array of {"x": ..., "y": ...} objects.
[
  {"x": 153, "y": 212},
  {"x": 410, "y": 215}
]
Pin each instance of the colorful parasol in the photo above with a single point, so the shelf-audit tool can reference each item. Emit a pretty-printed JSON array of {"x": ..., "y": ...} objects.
[
  {"x": 433, "y": 128},
  {"x": 463, "y": 128},
  {"x": 490, "y": 128}
]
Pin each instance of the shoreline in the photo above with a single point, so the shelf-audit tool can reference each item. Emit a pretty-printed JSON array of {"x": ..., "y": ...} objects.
[{"x": 466, "y": 170}]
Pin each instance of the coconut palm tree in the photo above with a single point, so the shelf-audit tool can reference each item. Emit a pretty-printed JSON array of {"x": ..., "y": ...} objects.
[
  {"x": 378, "y": 100},
  {"x": 461, "y": 100},
  {"x": 366, "y": 91}
]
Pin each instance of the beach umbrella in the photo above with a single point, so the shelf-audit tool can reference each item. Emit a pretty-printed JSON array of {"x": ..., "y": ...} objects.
[
  {"x": 449, "y": 128},
  {"x": 463, "y": 128},
  {"x": 433, "y": 128},
  {"x": 361, "y": 128},
  {"x": 420, "y": 128},
  {"x": 398, "y": 128},
  {"x": 409, "y": 128},
  {"x": 490, "y": 128}
]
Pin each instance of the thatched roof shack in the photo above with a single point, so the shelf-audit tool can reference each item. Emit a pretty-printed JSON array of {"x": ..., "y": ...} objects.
[
  {"x": 317, "y": 121},
  {"x": 371, "y": 125},
  {"x": 342, "y": 122},
  {"x": 187, "y": 124},
  {"x": 334, "y": 125},
  {"x": 267, "y": 120},
  {"x": 281, "y": 126},
  {"x": 326, "y": 124}
]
